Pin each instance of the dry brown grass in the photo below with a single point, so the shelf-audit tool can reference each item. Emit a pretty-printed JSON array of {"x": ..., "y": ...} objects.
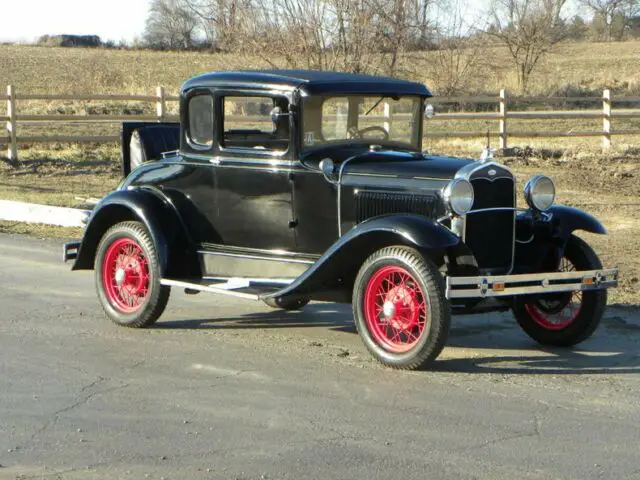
[{"x": 32, "y": 69}]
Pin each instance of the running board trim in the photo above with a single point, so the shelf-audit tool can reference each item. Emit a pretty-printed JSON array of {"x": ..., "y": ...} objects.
[{"x": 208, "y": 288}]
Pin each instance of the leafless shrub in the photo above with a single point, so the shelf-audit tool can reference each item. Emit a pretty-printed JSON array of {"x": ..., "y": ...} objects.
[{"x": 529, "y": 29}]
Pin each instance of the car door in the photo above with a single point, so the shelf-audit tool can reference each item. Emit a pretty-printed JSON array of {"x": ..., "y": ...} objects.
[{"x": 252, "y": 173}]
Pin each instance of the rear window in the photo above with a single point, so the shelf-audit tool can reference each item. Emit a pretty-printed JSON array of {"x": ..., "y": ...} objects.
[{"x": 201, "y": 121}]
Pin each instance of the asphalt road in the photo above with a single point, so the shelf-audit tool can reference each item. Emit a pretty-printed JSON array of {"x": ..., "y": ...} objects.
[{"x": 221, "y": 388}]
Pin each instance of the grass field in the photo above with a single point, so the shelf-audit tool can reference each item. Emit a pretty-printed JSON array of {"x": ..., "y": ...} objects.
[
  {"x": 572, "y": 66},
  {"x": 605, "y": 185}
]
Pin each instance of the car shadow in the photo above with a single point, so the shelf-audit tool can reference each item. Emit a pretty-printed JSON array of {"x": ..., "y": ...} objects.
[
  {"x": 334, "y": 317},
  {"x": 612, "y": 350}
]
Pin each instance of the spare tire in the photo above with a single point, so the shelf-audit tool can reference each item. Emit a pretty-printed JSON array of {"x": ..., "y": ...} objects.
[{"x": 150, "y": 142}]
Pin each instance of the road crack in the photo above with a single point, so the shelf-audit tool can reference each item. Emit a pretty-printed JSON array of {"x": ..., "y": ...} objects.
[{"x": 55, "y": 416}]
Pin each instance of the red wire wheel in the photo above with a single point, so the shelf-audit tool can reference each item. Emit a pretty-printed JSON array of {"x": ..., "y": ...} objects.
[
  {"x": 395, "y": 309},
  {"x": 125, "y": 275},
  {"x": 400, "y": 308},
  {"x": 559, "y": 313},
  {"x": 568, "y": 318}
]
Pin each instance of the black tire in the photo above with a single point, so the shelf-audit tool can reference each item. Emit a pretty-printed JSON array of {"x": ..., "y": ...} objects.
[
  {"x": 112, "y": 295},
  {"x": 427, "y": 286},
  {"x": 535, "y": 316},
  {"x": 287, "y": 304}
]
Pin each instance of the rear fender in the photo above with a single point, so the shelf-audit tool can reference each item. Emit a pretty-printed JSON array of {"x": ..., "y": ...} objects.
[
  {"x": 336, "y": 270},
  {"x": 165, "y": 226}
]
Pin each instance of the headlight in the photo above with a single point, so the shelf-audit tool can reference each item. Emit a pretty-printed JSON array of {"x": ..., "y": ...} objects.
[
  {"x": 458, "y": 196},
  {"x": 539, "y": 192}
]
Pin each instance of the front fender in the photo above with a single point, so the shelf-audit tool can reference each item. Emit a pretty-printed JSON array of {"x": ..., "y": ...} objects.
[
  {"x": 542, "y": 238},
  {"x": 337, "y": 268},
  {"x": 566, "y": 220},
  {"x": 158, "y": 215}
]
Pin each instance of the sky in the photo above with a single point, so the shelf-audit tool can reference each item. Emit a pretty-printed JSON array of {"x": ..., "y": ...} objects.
[
  {"x": 110, "y": 19},
  {"x": 26, "y": 20}
]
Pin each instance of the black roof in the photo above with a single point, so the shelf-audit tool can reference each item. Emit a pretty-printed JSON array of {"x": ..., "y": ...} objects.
[{"x": 310, "y": 82}]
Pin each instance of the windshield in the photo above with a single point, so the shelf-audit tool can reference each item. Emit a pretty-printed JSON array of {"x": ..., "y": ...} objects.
[{"x": 331, "y": 119}]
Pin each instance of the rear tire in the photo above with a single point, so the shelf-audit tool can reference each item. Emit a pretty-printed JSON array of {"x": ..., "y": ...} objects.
[
  {"x": 127, "y": 276},
  {"x": 400, "y": 309},
  {"x": 564, "y": 320},
  {"x": 288, "y": 304}
]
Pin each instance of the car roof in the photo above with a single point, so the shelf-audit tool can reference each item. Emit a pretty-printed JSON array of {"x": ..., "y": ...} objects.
[{"x": 310, "y": 82}]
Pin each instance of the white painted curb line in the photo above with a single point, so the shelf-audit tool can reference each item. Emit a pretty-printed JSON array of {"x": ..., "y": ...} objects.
[{"x": 47, "y": 214}]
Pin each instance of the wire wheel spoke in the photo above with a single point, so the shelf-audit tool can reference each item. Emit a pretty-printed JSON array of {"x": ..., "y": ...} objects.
[
  {"x": 395, "y": 308},
  {"x": 555, "y": 315},
  {"x": 126, "y": 275}
]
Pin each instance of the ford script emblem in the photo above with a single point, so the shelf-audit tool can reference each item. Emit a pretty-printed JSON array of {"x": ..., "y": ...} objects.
[{"x": 492, "y": 172}]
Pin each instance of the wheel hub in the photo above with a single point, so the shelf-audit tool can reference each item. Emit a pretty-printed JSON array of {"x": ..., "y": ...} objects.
[
  {"x": 399, "y": 309},
  {"x": 388, "y": 309},
  {"x": 120, "y": 276}
]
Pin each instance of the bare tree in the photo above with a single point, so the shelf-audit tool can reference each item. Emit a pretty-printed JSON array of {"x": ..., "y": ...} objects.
[
  {"x": 353, "y": 35},
  {"x": 613, "y": 14},
  {"x": 529, "y": 29},
  {"x": 459, "y": 53},
  {"x": 170, "y": 24},
  {"x": 221, "y": 21}
]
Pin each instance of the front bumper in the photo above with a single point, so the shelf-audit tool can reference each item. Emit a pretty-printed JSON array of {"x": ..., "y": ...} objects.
[{"x": 530, "y": 283}]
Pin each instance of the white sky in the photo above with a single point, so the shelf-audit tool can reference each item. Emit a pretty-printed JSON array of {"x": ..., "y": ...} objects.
[{"x": 26, "y": 20}]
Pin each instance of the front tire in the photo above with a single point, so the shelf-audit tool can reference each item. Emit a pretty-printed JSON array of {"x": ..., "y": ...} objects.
[
  {"x": 400, "y": 309},
  {"x": 564, "y": 319},
  {"x": 127, "y": 276}
]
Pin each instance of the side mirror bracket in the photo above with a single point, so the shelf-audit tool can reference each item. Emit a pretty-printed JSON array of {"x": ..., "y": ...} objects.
[{"x": 327, "y": 168}]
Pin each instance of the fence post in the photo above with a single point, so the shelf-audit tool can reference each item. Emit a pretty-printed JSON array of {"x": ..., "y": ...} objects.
[
  {"x": 606, "y": 119},
  {"x": 161, "y": 104},
  {"x": 12, "y": 150},
  {"x": 503, "y": 119}
]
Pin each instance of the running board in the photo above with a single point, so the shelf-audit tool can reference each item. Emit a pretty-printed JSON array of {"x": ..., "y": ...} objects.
[
  {"x": 230, "y": 286},
  {"x": 208, "y": 288}
]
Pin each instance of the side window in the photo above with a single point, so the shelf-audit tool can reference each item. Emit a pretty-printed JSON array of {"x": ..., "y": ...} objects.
[
  {"x": 201, "y": 120},
  {"x": 248, "y": 123},
  {"x": 334, "y": 118}
]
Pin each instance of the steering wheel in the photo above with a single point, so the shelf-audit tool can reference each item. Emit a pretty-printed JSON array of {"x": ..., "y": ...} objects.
[{"x": 355, "y": 133}]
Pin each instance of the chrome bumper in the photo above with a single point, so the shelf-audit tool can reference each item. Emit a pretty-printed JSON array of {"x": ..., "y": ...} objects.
[
  {"x": 530, "y": 283},
  {"x": 70, "y": 251}
]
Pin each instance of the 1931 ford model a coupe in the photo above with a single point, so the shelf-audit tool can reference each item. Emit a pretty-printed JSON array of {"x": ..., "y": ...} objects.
[{"x": 291, "y": 186}]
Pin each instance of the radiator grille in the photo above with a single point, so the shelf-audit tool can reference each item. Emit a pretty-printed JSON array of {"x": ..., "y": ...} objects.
[
  {"x": 490, "y": 234},
  {"x": 373, "y": 204}
]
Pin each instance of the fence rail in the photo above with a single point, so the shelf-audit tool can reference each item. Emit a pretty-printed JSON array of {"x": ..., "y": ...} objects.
[{"x": 502, "y": 115}]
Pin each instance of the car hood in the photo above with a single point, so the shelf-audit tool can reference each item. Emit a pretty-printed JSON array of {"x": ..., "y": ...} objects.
[{"x": 403, "y": 164}]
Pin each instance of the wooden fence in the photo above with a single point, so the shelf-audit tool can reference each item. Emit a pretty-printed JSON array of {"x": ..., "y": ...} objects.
[{"x": 502, "y": 115}]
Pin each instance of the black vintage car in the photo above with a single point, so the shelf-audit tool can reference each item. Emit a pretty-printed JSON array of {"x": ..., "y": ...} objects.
[{"x": 291, "y": 186}]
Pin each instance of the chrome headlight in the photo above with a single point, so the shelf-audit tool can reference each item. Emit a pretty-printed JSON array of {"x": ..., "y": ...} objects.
[
  {"x": 458, "y": 196},
  {"x": 540, "y": 192}
]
